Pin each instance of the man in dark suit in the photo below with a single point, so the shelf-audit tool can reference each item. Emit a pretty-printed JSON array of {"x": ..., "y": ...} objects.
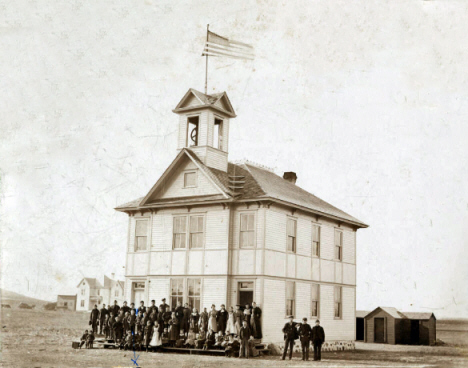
[
  {"x": 143, "y": 308},
  {"x": 221, "y": 319},
  {"x": 164, "y": 307},
  {"x": 125, "y": 308},
  {"x": 290, "y": 334},
  {"x": 115, "y": 309},
  {"x": 318, "y": 338},
  {"x": 305, "y": 333},
  {"x": 94, "y": 317},
  {"x": 153, "y": 307},
  {"x": 102, "y": 317}
]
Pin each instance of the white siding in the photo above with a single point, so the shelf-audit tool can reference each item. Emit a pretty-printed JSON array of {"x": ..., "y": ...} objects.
[
  {"x": 258, "y": 226},
  {"x": 327, "y": 269},
  {"x": 158, "y": 288},
  {"x": 140, "y": 264},
  {"x": 304, "y": 237},
  {"x": 131, "y": 239},
  {"x": 274, "y": 310},
  {"x": 349, "y": 274},
  {"x": 327, "y": 238},
  {"x": 275, "y": 230},
  {"x": 217, "y": 229},
  {"x": 291, "y": 265},
  {"x": 315, "y": 269},
  {"x": 338, "y": 272},
  {"x": 337, "y": 329},
  {"x": 235, "y": 262},
  {"x": 275, "y": 263},
  {"x": 160, "y": 262},
  {"x": 195, "y": 262},
  {"x": 216, "y": 262},
  {"x": 129, "y": 269},
  {"x": 216, "y": 159},
  {"x": 214, "y": 292},
  {"x": 304, "y": 271},
  {"x": 349, "y": 247},
  {"x": 162, "y": 231},
  {"x": 258, "y": 262},
  {"x": 246, "y": 262},
  {"x": 302, "y": 300},
  {"x": 178, "y": 262}
]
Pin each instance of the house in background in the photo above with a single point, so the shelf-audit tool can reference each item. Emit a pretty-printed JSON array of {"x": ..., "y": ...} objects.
[
  {"x": 91, "y": 292},
  {"x": 390, "y": 326},
  {"x": 214, "y": 232},
  {"x": 66, "y": 302}
]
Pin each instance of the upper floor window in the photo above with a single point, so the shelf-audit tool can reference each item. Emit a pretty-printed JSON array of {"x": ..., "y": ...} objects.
[
  {"x": 82, "y": 303},
  {"x": 194, "y": 237},
  {"x": 338, "y": 245},
  {"x": 180, "y": 232},
  {"x": 291, "y": 230},
  {"x": 290, "y": 298},
  {"x": 190, "y": 179},
  {"x": 65, "y": 304},
  {"x": 247, "y": 230},
  {"x": 338, "y": 301},
  {"x": 82, "y": 291},
  {"x": 98, "y": 292},
  {"x": 192, "y": 131},
  {"x": 116, "y": 293},
  {"x": 141, "y": 234},
  {"x": 218, "y": 134},
  {"x": 315, "y": 240},
  {"x": 196, "y": 231},
  {"x": 315, "y": 293}
]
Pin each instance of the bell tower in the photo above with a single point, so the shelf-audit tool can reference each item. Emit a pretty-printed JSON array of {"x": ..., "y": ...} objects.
[{"x": 204, "y": 126}]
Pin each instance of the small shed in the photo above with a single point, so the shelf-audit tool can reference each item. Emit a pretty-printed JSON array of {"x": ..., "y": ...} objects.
[
  {"x": 66, "y": 302},
  {"x": 360, "y": 324},
  {"x": 390, "y": 326}
]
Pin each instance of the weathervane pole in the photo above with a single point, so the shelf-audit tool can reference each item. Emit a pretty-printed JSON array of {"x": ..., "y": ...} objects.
[{"x": 206, "y": 67}]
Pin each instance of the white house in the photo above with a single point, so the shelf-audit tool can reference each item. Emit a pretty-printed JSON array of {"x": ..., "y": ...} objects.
[
  {"x": 90, "y": 292},
  {"x": 213, "y": 232}
]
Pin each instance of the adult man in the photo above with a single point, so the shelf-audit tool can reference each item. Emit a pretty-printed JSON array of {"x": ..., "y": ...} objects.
[
  {"x": 290, "y": 334},
  {"x": 221, "y": 318},
  {"x": 94, "y": 317},
  {"x": 244, "y": 340},
  {"x": 179, "y": 312},
  {"x": 153, "y": 307},
  {"x": 125, "y": 308},
  {"x": 142, "y": 307},
  {"x": 305, "y": 333},
  {"x": 102, "y": 317},
  {"x": 186, "y": 321},
  {"x": 164, "y": 307},
  {"x": 318, "y": 338},
  {"x": 115, "y": 309},
  {"x": 256, "y": 321}
]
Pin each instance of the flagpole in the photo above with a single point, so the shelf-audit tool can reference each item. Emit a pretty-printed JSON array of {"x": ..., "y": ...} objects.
[{"x": 206, "y": 67}]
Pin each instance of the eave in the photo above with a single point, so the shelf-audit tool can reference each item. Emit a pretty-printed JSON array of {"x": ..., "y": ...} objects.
[{"x": 201, "y": 107}]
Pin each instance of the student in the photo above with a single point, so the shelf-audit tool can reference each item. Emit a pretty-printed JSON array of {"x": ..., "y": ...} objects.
[
  {"x": 201, "y": 338},
  {"x": 94, "y": 317},
  {"x": 84, "y": 339},
  {"x": 212, "y": 322},
  {"x": 148, "y": 335},
  {"x": 115, "y": 309},
  {"x": 127, "y": 344},
  {"x": 153, "y": 315},
  {"x": 152, "y": 308},
  {"x": 138, "y": 320},
  {"x": 103, "y": 313},
  {"x": 247, "y": 314},
  {"x": 132, "y": 321},
  {"x": 305, "y": 333},
  {"x": 179, "y": 312},
  {"x": 221, "y": 318},
  {"x": 174, "y": 326},
  {"x": 290, "y": 334},
  {"x": 164, "y": 307},
  {"x": 90, "y": 340},
  {"x": 231, "y": 322},
  {"x": 239, "y": 317},
  {"x": 233, "y": 347},
  {"x": 106, "y": 327},
  {"x": 126, "y": 323},
  {"x": 167, "y": 318},
  {"x": 165, "y": 336},
  {"x": 191, "y": 337},
  {"x": 181, "y": 340},
  {"x": 210, "y": 340},
  {"x": 203, "y": 320},
  {"x": 143, "y": 308},
  {"x": 118, "y": 327},
  {"x": 144, "y": 322},
  {"x": 244, "y": 340},
  {"x": 125, "y": 308},
  {"x": 186, "y": 320},
  {"x": 318, "y": 338},
  {"x": 256, "y": 321},
  {"x": 156, "y": 342},
  {"x": 137, "y": 341},
  {"x": 110, "y": 324},
  {"x": 193, "y": 321},
  {"x": 219, "y": 340}
]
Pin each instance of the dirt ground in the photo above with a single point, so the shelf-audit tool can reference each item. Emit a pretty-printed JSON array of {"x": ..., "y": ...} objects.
[{"x": 35, "y": 338}]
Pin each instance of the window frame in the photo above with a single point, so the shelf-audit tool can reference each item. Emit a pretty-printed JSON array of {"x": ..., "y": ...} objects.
[
  {"x": 185, "y": 296},
  {"x": 194, "y": 297},
  {"x": 319, "y": 235},
  {"x": 184, "y": 237},
  {"x": 188, "y": 241},
  {"x": 254, "y": 230},
  {"x": 316, "y": 301},
  {"x": 187, "y": 135},
  {"x": 82, "y": 303},
  {"x": 220, "y": 143},
  {"x": 202, "y": 232},
  {"x": 340, "y": 302},
  {"x": 194, "y": 172},
  {"x": 340, "y": 246},
  {"x": 136, "y": 248},
  {"x": 294, "y": 250},
  {"x": 293, "y": 308}
]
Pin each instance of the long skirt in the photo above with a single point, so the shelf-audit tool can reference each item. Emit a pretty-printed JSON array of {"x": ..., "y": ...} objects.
[
  {"x": 213, "y": 324},
  {"x": 256, "y": 328},
  {"x": 156, "y": 340},
  {"x": 231, "y": 326}
]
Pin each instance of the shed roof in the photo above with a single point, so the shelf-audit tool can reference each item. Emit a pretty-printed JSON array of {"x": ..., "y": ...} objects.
[
  {"x": 361, "y": 314},
  {"x": 67, "y": 296},
  {"x": 418, "y": 315},
  {"x": 402, "y": 315}
]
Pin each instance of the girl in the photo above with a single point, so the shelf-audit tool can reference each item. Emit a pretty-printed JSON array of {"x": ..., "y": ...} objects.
[
  {"x": 194, "y": 317},
  {"x": 155, "y": 342},
  {"x": 212, "y": 323},
  {"x": 204, "y": 320},
  {"x": 239, "y": 317},
  {"x": 247, "y": 314},
  {"x": 231, "y": 323},
  {"x": 173, "y": 329}
]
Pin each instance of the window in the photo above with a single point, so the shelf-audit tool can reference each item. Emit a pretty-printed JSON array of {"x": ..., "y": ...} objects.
[
  {"x": 315, "y": 240},
  {"x": 190, "y": 179},
  {"x": 116, "y": 293},
  {"x": 218, "y": 134},
  {"x": 180, "y": 232},
  {"x": 82, "y": 291},
  {"x": 177, "y": 292},
  {"x": 338, "y": 303},
  {"x": 141, "y": 234},
  {"x": 192, "y": 131},
  {"x": 196, "y": 231},
  {"x": 65, "y": 304},
  {"x": 98, "y": 292},
  {"x": 290, "y": 298},
  {"x": 82, "y": 303},
  {"x": 291, "y": 235},
  {"x": 315, "y": 300},
  {"x": 247, "y": 230},
  {"x": 194, "y": 291},
  {"x": 338, "y": 245}
]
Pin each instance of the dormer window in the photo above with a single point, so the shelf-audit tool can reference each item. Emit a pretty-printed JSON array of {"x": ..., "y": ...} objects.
[
  {"x": 192, "y": 131},
  {"x": 190, "y": 179},
  {"x": 218, "y": 134}
]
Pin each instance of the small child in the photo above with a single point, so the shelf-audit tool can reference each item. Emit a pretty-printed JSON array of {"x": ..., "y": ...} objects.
[
  {"x": 127, "y": 342},
  {"x": 84, "y": 338},
  {"x": 131, "y": 320},
  {"x": 219, "y": 340},
  {"x": 210, "y": 340},
  {"x": 181, "y": 340},
  {"x": 190, "y": 342},
  {"x": 137, "y": 341},
  {"x": 138, "y": 320},
  {"x": 165, "y": 337},
  {"x": 233, "y": 347},
  {"x": 201, "y": 338},
  {"x": 148, "y": 335},
  {"x": 89, "y": 340},
  {"x": 126, "y": 325}
]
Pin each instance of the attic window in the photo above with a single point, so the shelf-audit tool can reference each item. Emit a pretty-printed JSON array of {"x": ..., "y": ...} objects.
[
  {"x": 218, "y": 134},
  {"x": 190, "y": 179},
  {"x": 192, "y": 131}
]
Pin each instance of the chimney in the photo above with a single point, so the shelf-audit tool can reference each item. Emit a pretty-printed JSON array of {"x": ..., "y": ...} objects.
[
  {"x": 290, "y": 176},
  {"x": 113, "y": 276}
]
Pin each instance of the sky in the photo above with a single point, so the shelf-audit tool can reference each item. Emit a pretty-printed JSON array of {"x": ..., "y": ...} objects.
[{"x": 366, "y": 101}]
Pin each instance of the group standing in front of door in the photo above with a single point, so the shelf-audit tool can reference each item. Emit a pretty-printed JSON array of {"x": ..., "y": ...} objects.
[{"x": 293, "y": 331}]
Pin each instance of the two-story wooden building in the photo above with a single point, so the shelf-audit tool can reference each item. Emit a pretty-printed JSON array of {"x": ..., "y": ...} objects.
[{"x": 212, "y": 232}]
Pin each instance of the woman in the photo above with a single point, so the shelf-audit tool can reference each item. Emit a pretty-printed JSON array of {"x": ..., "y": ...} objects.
[
  {"x": 174, "y": 332},
  {"x": 247, "y": 315},
  {"x": 256, "y": 324},
  {"x": 204, "y": 320},
  {"x": 231, "y": 323},
  {"x": 156, "y": 342},
  {"x": 212, "y": 323},
  {"x": 239, "y": 317},
  {"x": 194, "y": 317}
]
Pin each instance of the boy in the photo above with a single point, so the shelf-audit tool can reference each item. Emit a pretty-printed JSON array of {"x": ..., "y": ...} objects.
[
  {"x": 126, "y": 325},
  {"x": 181, "y": 340},
  {"x": 210, "y": 340},
  {"x": 219, "y": 340},
  {"x": 132, "y": 307},
  {"x": 138, "y": 320},
  {"x": 110, "y": 324},
  {"x": 84, "y": 338},
  {"x": 200, "y": 341},
  {"x": 132, "y": 321},
  {"x": 127, "y": 343},
  {"x": 143, "y": 308},
  {"x": 89, "y": 340},
  {"x": 244, "y": 340},
  {"x": 305, "y": 333},
  {"x": 147, "y": 336},
  {"x": 106, "y": 326}
]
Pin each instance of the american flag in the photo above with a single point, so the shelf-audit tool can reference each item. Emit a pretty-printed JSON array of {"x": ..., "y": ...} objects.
[{"x": 217, "y": 45}]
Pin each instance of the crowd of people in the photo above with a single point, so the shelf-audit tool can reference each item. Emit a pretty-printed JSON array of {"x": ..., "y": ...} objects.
[{"x": 149, "y": 328}]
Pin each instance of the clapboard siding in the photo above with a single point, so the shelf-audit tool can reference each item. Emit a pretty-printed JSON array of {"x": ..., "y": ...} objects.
[
  {"x": 246, "y": 262},
  {"x": 274, "y": 310},
  {"x": 178, "y": 263},
  {"x": 327, "y": 270},
  {"x": 389, "y": 327},
  {"x": 338, "y": 272},
  {"x": 327, "y": 238},
  {"x": 216, "y": 262},
  {"x": 140, "y": 264},
  {"x": 214, "y": 291},
  {"x": 349, "y": 274},
  {"x": 216, "y": 159},
  {"x": 158, "y": 288},
  {"x": 291, "y": 265},
  {"x": 275, "y": 263},
  {"x": 195, "y": 263},
  {"x": 349, "y": 247},
  {"x": 217, "y": 229},
  {"x": 275, "y": 230},
  {"x": 304, "y": 237},
  {"x": 160, "y": 263},
  {"x": 304, "y": 271},
  {"x": 162, "y": 231},
  {"x": 258, "y": 262},
  {"x": 315, "y": 269},
  {"x": 337, "y": 329},
  {"x": 131, "y": 236}
]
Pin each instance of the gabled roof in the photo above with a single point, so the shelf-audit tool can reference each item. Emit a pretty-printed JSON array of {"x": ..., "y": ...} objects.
[
  {"x": 260, "y": 184},
  {"x": 418, "y": 315},
  {"x": 402, "y": 315},
  {"x": 121, "y": 284},
  {"x": 361, "y": 314},
  {"x": 217, "y": 101},
  {"x": 92, "y": 282}
]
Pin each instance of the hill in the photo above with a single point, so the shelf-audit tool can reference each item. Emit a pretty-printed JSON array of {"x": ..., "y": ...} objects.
[{"x": 14, "y": 299}]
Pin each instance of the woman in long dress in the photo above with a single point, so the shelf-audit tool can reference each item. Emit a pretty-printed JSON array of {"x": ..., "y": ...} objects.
[
  {"x": 231, "y": 323},
  {"x": 194, "y": 317},
  {"x": 174, "y": 332},
  {"x": 239, "y": 317},
  {"x": 212, "y": 323},
  {"x": 204, "y": 320},
  {"x": 255, "y": 321},
  {"x": 156, "y": 339}
]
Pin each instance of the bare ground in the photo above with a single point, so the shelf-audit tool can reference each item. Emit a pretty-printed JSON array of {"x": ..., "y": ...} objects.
[{"x": 34, "y": 338}]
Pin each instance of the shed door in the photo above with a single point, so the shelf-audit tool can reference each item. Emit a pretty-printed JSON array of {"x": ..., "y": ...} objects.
[
  {"x": 379, "y": 330},
  {"x": 414, "y": 332}
]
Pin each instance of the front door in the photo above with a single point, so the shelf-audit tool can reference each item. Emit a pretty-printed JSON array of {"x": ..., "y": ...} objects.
[
  {"x": 414, "y": 332},
  {"x": 245, "y": 293},
  {"x": 379, "y": 330},
  {"x": 138, "y": 293}
]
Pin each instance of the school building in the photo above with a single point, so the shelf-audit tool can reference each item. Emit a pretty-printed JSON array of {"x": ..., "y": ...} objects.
[{"x": 215, "y": 232}]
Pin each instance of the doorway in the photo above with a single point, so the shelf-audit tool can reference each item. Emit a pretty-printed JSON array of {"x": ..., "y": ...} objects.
[
  {"x": 138, "y": 292},
  {"x": 359, "y": 329},
  {"x": 379, "y": 330},
  {"x": 414, "y": 332},
  {"x": 245, "y": 293}
]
